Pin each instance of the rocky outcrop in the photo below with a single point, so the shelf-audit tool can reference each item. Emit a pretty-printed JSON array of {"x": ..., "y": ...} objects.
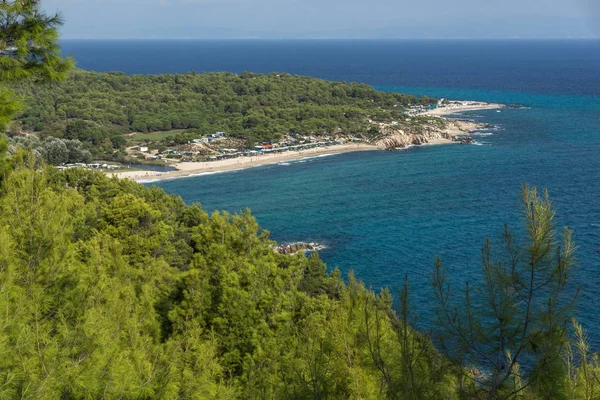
[
  {"x": 462, "y": 127},
  {"x": 391, "y": 137},
  {"x": 463, "y": 139},
  {"x": 293, "y": 248},
  {"x": 397, "y": 139}
]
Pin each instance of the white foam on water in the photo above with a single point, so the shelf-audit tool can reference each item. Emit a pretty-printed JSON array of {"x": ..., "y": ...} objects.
[
  {"x": 172, "y": 178},
  {"x": 319, "y": 156},
  {"x": 285, "y": 164},
  {"x": 149, "y": 180}
]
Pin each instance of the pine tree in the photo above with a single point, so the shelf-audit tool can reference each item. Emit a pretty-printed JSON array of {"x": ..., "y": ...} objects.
[
  {"x": 28, "y": 49},
  {"x": 519, "y": 315}
]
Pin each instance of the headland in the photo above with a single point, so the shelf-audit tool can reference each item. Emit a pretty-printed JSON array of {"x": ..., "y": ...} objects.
[{"x": 392, "y": 138}]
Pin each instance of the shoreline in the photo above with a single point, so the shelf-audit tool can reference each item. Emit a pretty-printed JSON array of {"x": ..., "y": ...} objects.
[
  {"x": 463, "y": 106},
  {"x": 190, "y": 169}
]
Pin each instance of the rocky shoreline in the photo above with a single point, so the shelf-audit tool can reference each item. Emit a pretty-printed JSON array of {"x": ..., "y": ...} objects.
[
  {"x": 453, "y": 131},
  {"x": 297, "y": 247},
  {"x": 463, "y": 139},
  {"x": 430, "y": 127}
]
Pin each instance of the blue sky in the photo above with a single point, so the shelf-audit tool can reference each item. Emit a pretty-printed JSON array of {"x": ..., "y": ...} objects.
[{"x": 280, "y": 19}]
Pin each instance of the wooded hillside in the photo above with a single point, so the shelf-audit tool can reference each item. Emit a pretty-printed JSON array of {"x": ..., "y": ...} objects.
[
  {"x": 109, "y": 289},
  {"x": 99, "y": 107}
]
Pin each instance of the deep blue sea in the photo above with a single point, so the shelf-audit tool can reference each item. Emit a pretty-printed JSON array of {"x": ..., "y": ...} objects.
[{"x": 390, "y": 214}]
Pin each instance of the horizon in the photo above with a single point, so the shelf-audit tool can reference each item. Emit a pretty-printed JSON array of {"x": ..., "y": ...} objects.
[
  {"x": 498, "y": 39},
  {"x": 326, "y": 19}
]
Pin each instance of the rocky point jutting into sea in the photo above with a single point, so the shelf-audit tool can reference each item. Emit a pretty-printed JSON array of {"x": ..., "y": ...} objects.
[{"x": 432, "y": 128}]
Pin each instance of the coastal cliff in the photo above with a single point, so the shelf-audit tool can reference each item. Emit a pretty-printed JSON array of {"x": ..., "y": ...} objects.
[
  {"x": 433, "y": 131},
  {"x": 430, "y": 125}
]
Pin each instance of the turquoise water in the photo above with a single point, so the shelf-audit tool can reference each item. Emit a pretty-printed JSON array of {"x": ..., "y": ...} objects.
[{"x": 386, "y": 215}]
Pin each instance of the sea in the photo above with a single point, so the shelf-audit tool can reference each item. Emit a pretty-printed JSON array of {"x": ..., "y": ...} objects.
[{"x": 390, "y": 215}]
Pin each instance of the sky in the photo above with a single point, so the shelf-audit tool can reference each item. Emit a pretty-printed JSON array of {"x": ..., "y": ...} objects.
[{"x": 332, "y": 19}]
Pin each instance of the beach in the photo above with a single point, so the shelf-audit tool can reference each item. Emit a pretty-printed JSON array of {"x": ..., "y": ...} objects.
[
  {"x": 461, "y": 106},
  {"x": 185, "y": 169}
]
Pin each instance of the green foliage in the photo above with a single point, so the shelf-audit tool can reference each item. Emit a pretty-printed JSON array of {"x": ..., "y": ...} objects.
[
  {"x": 5, "y": 161},
  {"x": 583, "y": 378},
  {"x": 28, "y": 50},
  {"x": 93, "y": 107},
  {"x": 51, "y": 150},
  {"x": 520, "y": 312},
  {"x": 109, "y": 289},
  {"x": 9, "y": 106}
]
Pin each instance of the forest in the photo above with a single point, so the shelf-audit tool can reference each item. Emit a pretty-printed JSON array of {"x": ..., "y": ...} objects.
[
  {"x": 99, "y": 108},
  {"x": 109, "y": 289}
]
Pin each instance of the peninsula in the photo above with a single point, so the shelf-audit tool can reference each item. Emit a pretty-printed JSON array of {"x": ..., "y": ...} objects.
[
  {"x": 449, "y": 131},
  {"x": 213, "y": 122}
]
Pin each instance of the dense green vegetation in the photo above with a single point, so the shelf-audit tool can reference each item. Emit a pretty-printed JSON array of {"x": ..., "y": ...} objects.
[
  {"x": 98, "y": 107},
  {"x": 112, "y": 290},
  {"x": 28, "y": 50},
  {"x": 109, "y": 289}
]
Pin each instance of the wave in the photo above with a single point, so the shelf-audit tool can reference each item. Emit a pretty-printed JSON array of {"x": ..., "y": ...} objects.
[
  {"x": 149, "y": 180},
  {"x": 313, "y": 157},
  {"x": 303, "y": 159},
  {"x": 192, "y": 175},
  {"x": 215, "y": 172},
  {"x": 405, "y": 148}
]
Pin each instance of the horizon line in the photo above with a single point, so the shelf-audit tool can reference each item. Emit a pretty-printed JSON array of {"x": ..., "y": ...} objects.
[{"x": 336, "y": 38}]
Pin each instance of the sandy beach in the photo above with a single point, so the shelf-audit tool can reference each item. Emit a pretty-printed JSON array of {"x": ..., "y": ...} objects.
[
  {"x": 185, "y": 169},
  {"x": 453, "y": 108}
]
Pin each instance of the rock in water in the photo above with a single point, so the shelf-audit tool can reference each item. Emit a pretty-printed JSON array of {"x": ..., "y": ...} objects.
[{"x": 463, "y": 139}]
